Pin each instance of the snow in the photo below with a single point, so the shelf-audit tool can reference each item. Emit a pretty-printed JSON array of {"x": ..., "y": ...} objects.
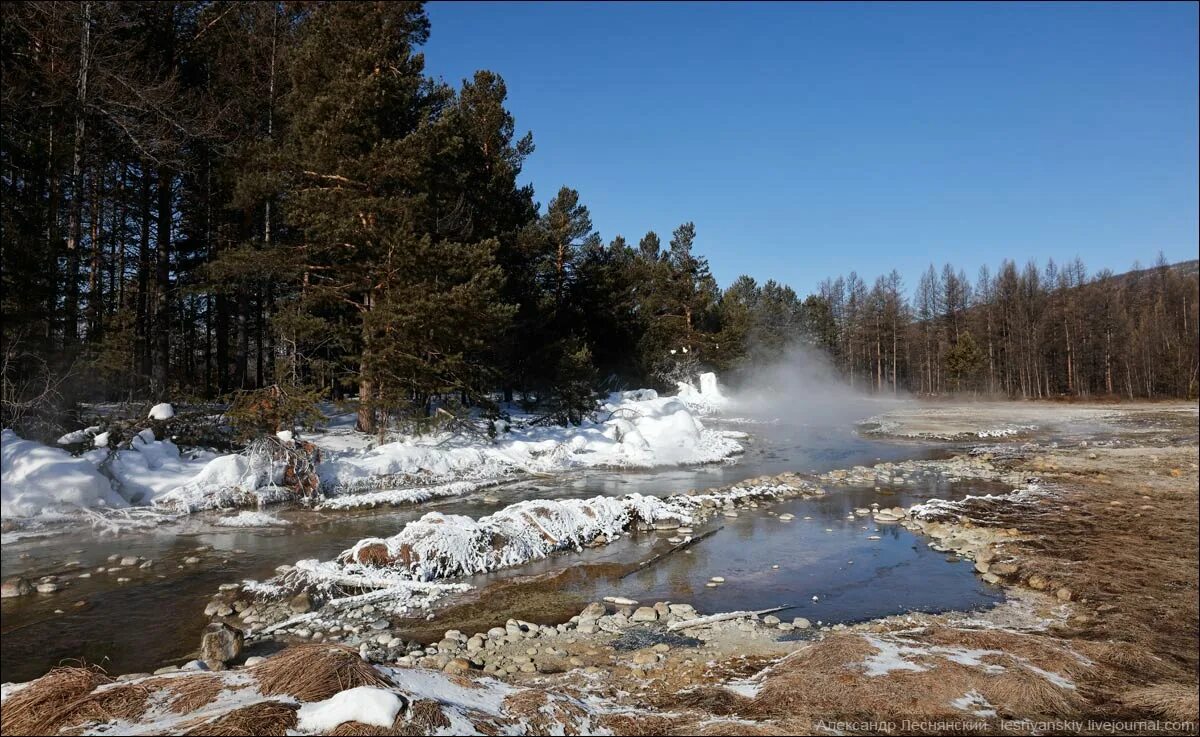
[
  {"x": 636, "y": 429},
  {"x": 163, "y": 411},
  {"x": 440, "y": 546},
  {"x": 708, "y": 399},
  {"x": 79, "y": 436},
  {"x": 632, "y": 429},
  {"x": 37, "y": 480},
  {"x": 975, "y": 704},
  {"x": 252, "y": 519},
  {"x": 377, "y": 707}
]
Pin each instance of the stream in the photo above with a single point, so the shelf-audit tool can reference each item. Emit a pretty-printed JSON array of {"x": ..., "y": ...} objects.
[{"x": 155, "y": 618}]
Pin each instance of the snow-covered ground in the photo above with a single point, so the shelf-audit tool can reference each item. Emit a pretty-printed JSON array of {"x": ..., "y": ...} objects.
[{"x": 633, "y": 429}]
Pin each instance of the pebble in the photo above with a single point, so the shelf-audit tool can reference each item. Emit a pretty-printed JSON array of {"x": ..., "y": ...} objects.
[
  {"x": 717, "y": 579},
  {"x": 191, "y": 560},
  {"x": 787, "y": 516}
]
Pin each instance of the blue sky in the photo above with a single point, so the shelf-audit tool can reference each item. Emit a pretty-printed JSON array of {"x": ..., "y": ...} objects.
[{"x": 808, "y": 140}]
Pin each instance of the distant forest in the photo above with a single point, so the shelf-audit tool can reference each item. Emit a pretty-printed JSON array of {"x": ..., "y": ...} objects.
[{"x": 221, "y": 200}]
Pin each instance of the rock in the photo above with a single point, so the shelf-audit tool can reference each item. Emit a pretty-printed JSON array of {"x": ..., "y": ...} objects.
[
  {"x": 166, "y": 669},
  {"x": 1038, "y": 582},
  {"x": 224, "y": 610},
  {"x": 47, "y": 588},
  {"x": 770, "y": 620},
  {"x": 593, "y": 611},
  {"x": 130, "y": 560},
  {"x": 196, "y": 665},
  {"x": 380, "y": 624},
  {"x": 15, "y": 586},
  {"x": 991, "y": 578},
  {"x": 787, "y": 516},
  {"x": 1004, "y": 568},
  {"x": 717, "y": 579},
  {"x": 457, "y": 665},
  {"x": 666, "y": 524},
  {"x": 645, "y": 614},
  {"x": 685, "y": 611},
  {"x": 191, "y": 560},
  {"x": 496, "y": 633},
  {"x": 254, "y": 660},
  {"x": 801, "y": 623},
  {"x": 1063, "y": 594},
  {"x": 620, "y": 601},
  {"x": 586, "y": 628},
  {"x": 645, "y": 658},
  {"x": 786, "y": 626},
  {"x": 982, "y": 567},
  {"x": 220, "y": 644},
  {"x": 300, "y": 603}
]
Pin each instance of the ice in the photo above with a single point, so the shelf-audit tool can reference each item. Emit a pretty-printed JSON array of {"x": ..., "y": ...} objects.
[
  {"x": 376, "y": 707},
  {"x": 252, "y": 519},
  {"x": 440, "y": 546},
  {"x": 708, "y": 399}
]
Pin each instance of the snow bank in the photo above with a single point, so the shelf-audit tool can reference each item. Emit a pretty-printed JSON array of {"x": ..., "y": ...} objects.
[
  {"x": 37, "y": 480},
  {"x": 706, "y": 400},
  {"x": 440, "y": 546},
  {"x": 377, "y": 707},
  {"x": 636, "y": 429}
]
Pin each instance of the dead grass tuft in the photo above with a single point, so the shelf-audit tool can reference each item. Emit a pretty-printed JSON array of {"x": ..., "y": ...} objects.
[
  {"x": 266, "y": 718},
  {"x": 315, "y": 672},
  {"x": 712, "y": 700},
  {"x": 427, "y": 715},
  {"x": 358, "y": 729},
  {"x": 639, "y": 724},
  {"x": 38, "y": 708},
  {"x": 1174, "y": 701},
  {"x": 1020, "y": 692},
  {"x": 733, "y": 729},
  {"x": 191, "y": 691}
]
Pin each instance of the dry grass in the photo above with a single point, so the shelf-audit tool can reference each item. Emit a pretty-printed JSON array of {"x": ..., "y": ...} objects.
[
  {"x": 38, "y": 709},
  {"x": 358, "y": 729},
  {"x": 266, "y": 718},
  {"x": 1174, "y": 701},
  {"x": 639, "y": 724},
  {"x": 733, "y": 729},
  {"x": 315, "y": 672},
  {"x": 1020, "y": 692},
  {"x": 541, "y": 714},
  {"x": 712, "y": 700},
  {"x": 191, "y": 691}
]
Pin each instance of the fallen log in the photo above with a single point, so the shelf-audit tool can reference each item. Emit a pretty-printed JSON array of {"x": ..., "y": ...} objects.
[
  {"x": 713, "y": 618},
  {"x": 685, "y": 544}
]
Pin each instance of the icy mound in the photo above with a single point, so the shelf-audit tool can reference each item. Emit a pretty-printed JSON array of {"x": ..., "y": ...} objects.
[
  {"x": 37, "y": 480},
  {"x": 636, "y": 429},
  {"x": 708, "y": 399},
  {"x": 440, "y": 546}
]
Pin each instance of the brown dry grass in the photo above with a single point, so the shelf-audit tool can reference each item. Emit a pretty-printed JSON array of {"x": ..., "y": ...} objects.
[
  {"x": 38, "y": 708},
  {"x": 1175, "y": 701},
  {"x": 712, "y": 700},
  {"x": 266, "y": 718},
  {"x": 1019, "y": 692},
  {"x": 315, "y": 672},
  {"x": 541, "y": 714},
  {"x": 191, "y": 691}
]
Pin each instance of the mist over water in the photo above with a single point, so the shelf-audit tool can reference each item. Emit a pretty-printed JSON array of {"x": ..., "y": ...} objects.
[{"x": 802, "y": 389}]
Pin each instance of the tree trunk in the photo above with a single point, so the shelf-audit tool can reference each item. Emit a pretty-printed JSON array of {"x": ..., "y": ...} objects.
[
  {"x": 162, "y": 282},
  {"x": 74, "y": 224}
]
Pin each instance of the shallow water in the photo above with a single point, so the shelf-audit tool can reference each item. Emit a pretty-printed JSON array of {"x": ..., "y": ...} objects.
[{"x": 156, "y": 617}]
